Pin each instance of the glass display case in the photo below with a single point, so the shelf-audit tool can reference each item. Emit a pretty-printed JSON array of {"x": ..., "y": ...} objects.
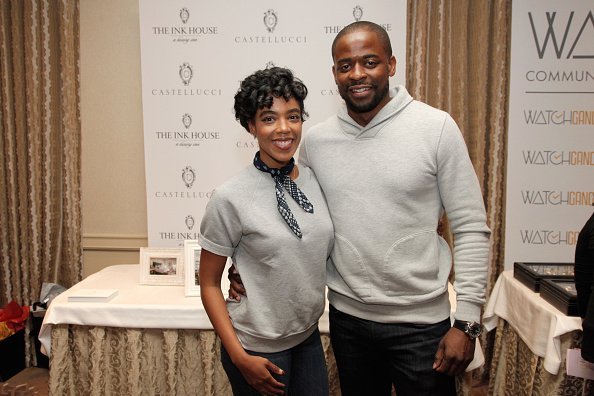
[
  {"x": 532, "y": 273},
  {"x": 561, "y": 294}
]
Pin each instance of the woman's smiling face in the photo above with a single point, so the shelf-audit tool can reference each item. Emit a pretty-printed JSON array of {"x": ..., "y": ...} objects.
[{"x": 278, "y": 130}]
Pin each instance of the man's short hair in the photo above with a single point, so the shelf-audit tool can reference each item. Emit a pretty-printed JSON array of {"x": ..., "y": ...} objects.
[{"x": 370, "y": 27}]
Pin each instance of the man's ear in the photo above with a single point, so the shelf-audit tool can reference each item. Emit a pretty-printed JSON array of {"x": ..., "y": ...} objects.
[{"x": 392, "y": 66}]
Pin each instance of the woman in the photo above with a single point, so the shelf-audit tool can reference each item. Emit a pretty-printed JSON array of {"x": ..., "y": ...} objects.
[{"x": 273, "y": 221}]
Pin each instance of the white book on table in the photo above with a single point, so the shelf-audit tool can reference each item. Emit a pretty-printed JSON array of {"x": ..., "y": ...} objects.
[{"x": 92, "y": 295}]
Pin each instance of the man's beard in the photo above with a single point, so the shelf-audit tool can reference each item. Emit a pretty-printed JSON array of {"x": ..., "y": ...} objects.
[{"x": 365, "y": 107}]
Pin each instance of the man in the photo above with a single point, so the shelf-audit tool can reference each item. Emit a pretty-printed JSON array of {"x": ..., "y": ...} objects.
[
  {"x": 389, "y": 166},
  {"x": 584, "y": 283}
]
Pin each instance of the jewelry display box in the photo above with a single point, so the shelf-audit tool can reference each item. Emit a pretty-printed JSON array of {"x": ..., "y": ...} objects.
[
  {"x": 531, "y": 274},
  {"x": 561, "y": 294}
]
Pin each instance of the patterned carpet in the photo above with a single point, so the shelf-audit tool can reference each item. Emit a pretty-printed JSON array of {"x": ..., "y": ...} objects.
[{"x": 29, "y": 382}]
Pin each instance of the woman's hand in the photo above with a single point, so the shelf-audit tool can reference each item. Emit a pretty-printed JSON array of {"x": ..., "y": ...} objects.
[{"x": 257, "y": 371}]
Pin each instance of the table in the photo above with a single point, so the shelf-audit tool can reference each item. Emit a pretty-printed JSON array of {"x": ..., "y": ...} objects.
[
  {"x": 147, "y": 340},
  {"x": 531, "y": 342}
]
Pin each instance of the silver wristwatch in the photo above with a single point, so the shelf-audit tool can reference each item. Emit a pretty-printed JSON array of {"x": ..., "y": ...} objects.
[{"x": 472, "y": 329}]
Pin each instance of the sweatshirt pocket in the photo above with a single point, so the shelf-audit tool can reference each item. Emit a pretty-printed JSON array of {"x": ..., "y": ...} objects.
[
  {"x": 417, "y": 266},
  {"x": 348, "y": 274}
]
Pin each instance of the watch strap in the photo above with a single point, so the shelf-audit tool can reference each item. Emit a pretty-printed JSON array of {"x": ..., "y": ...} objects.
[{"x": 471, "y": 329}]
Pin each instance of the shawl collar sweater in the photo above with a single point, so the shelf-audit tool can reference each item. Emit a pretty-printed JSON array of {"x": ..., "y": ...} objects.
[{"x": 387, "y": 185}]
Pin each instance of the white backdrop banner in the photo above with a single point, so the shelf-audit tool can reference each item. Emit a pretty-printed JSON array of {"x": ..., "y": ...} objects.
[
  {"x": 193, "y": 56},
  {"x": 550, "y": 178}
]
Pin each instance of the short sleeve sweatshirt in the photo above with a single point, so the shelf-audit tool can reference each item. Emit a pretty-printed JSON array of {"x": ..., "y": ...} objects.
[{"x": 284, "y": 276}]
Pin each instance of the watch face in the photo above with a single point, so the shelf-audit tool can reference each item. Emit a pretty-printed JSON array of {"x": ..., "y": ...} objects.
[{"x": 473, "y": 330}]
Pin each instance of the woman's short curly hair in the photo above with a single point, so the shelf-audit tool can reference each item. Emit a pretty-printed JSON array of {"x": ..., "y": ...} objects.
[{"x": 259, "y": 89}]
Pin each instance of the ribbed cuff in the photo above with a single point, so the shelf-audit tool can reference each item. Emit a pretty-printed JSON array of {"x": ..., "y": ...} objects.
[{"x": 467, "y": 311}]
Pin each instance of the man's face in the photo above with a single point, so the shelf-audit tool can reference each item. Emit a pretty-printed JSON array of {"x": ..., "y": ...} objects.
[{"x": 362, "y": 70}]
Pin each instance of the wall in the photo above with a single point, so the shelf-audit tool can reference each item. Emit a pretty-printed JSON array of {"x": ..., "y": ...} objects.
[{"x": 113, "y": 180}]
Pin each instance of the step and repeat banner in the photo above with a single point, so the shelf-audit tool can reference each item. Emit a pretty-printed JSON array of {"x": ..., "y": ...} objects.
[
  {"x": 550, "y": 172},
  {"x": 194, "y": 55}
]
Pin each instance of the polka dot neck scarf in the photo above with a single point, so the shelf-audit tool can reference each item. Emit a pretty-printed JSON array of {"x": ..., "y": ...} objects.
[{"x": 282, "y": 179}]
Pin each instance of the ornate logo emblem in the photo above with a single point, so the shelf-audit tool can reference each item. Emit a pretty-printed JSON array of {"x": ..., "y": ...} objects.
[
  {"x": 186, "y": 73},
  {"x": 184, "y": 15},
  {"x": 357, "y": 13},
  {"x": 188, "y": 176},
  {"x": 187, "y": 120},
  {"x": 190, "y": 222},
  {"x": 270, "y": 20}
]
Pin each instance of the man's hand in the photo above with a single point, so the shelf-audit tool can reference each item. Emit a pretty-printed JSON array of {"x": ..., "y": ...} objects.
[
  {"x": 236, "y": 290},
  {"x": 257, "y": 371},
  {"x": 454, "y": 353}
]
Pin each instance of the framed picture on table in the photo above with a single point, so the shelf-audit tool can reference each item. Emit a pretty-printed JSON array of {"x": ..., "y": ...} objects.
[
  {"x": 192, "y": 267},
  {"x": 161, "y": 266}
]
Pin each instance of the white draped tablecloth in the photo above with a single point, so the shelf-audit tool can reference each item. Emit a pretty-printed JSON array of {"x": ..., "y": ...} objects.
[
  {"x": 147, "y": 306},
  {"x": 539, "y": 324}
]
